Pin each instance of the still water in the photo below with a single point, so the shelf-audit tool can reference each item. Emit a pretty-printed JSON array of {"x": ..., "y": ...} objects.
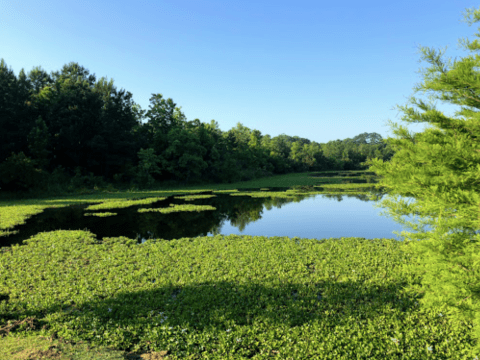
[
  {"x": 304, "y": 216},
  {"x": 321, "y": 216}
]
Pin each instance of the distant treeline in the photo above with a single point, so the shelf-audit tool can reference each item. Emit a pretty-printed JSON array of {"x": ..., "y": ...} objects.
[{"x": 69, "y": 129}]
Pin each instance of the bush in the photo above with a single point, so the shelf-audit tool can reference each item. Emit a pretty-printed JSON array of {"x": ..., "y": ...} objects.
[
  {"x": 57, "y": 182},
  {"x": 118, "y": 178},
  {"x": 86, "y": 181},
  {"x": 18, "y": 173}
]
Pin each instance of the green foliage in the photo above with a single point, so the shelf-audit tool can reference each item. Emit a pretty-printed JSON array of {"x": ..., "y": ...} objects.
[
  {"x": 184, "y": 154},
  {"x": 38, "y": 143},
  {"x": 226, "y": 297},
  {"x": 149, "y": 165},
  {"x": 194, "y": 197},
  {"x": 89, "y": 181},
  {"x": 112, "y": 204},
  {"x": 15, "y": 121},
  {"x": 163, "y": 115},
  {"x": 178, "y": 208},
  {"x": 440, "y": 168},
  {"x": 19, "y": 173},
  {"x": 70, "y": 119},
  {"x": 104, "y": 214}
]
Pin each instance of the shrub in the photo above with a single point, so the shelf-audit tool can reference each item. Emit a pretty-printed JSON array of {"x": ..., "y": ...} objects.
[
  {"x": 87, "y": 181},
  {"x": 18, "y": 173}
]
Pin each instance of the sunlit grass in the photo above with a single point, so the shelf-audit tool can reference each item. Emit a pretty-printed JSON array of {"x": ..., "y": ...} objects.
[
  {"x": 7, "y": 232},
  {"x": 194, "y": 197},
  {"x": 178, "y": 208},
  {"x": 124, "y": 203},
  {"x": 272, "y": 194}
]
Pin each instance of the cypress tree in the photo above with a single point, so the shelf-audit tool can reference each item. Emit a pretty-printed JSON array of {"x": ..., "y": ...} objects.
[{"x": 440, "y": 167}]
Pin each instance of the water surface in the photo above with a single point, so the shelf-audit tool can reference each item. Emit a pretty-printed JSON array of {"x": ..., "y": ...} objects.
[{"x": 304, "y": 216}]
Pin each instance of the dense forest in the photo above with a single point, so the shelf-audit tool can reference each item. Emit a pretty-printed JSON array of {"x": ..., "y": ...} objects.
[{"x": 66, "y": 130}]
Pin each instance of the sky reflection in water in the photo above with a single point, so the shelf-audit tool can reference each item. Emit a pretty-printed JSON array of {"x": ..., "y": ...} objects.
[{"x": 322, "y": 217}]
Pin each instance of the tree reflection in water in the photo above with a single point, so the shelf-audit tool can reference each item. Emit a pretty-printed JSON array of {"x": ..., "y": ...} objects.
[{"x": 238, "y": 210}]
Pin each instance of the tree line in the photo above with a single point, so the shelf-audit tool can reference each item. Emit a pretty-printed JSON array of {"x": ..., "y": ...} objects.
[{"x": 67, "y": 127}]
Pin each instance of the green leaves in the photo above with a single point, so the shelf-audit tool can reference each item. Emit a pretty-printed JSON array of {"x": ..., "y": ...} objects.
[
  {"x": 438, "y": 166},
  {"x": 19, "y": 172},
  {"x": 246, "y": 295},
  {"x": 149, "y": 164},
  {"x": 178, "y": 208}
]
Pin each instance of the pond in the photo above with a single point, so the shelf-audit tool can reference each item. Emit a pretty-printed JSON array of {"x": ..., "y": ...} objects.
[{"x": 305, "y": 216}]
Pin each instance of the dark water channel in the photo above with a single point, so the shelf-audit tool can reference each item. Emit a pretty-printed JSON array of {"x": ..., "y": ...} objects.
[{"x": 303, "y": 216}]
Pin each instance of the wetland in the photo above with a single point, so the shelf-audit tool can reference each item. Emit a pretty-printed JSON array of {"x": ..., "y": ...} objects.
[
  {"x": 294, "y": 266},
  {"x": 296, "y": 215}
]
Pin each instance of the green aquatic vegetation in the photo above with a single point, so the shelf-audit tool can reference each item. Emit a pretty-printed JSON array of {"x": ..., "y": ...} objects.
[
  {"x": 111, "y": 204},
  {"x": 348, "y": 186},
  {"x": 274, "y": 194},
  {"x": 104, "y": 214},
  {"x": 227, "y": 297},
  {"x": 13, "y": 213},
  {"x": 225, "y": 191},
  {"x": 17, "y": 215},
  {"x": 7, "y": 232},
  {"x": 194, "y": 197},
  {"x": 303, "y": 188},
  {"x": 179, "y": 208}
]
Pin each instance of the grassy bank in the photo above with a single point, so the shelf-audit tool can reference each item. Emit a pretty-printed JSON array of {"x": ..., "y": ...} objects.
[
  {"x": 282, "y": 181},
  {"x": 68, "y": 295}
]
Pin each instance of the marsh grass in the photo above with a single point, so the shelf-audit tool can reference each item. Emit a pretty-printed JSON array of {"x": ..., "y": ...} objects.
[
  {"x": 124, "y": 203},
  {"x": 194, "y": 197},
  {"x": 7, "y": 232},
  {"x": 178, "y": 208},
  {"x": 104, "y": 214},
  {"x": 226, "y": 297},
  {"x": 280, "y": 194}
]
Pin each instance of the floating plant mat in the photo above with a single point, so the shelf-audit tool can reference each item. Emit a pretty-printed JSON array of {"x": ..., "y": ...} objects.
[
  {"x": 178, "y": 208},
  {"x": 124, "y": 203},
  {"x": 104, "y": 214},
  {"x": 229, "y": 297},
  {"x": 194, "y": 197}
]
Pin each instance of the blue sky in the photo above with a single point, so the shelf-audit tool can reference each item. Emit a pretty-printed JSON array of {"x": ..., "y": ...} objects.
[{"x": 321, "y": 70}]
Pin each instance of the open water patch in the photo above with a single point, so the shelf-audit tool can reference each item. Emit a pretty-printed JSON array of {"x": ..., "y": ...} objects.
[{"x": 301, "y": 215}]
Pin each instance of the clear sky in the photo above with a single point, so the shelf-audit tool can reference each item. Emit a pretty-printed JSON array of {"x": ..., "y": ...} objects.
[{"x": 322, "y": 70}]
